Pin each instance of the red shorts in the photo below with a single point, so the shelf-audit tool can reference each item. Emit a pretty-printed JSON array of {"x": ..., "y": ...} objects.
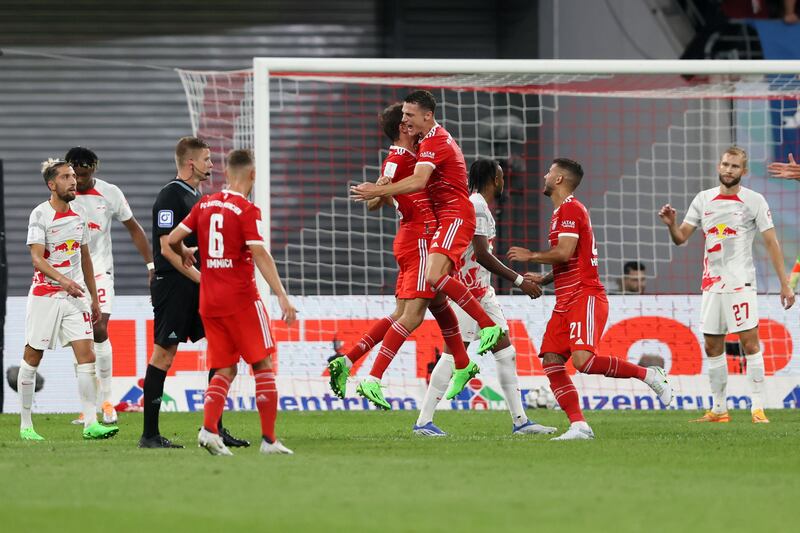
[
  {"x": 411, "y": 252},
  {"x": 452, "y": 238},
  {"x": 244, "y": 334},
  {"x": 579, "y": 328}
]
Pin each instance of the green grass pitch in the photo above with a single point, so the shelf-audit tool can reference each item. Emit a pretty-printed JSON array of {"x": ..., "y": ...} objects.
[{"x": 365, "y": 471}]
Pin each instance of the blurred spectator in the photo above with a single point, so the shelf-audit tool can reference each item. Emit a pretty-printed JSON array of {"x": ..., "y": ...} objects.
[{"x": 633, "y": 280}]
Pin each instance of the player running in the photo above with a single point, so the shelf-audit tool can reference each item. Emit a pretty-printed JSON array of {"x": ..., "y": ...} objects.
[
  {"x": 581, "y": 308},
  {"x": 58, "y": 312},
  {"x": 102, "y": 202},
  {"x": 228, "y": 229},
  {"x": 442, "y": 172},
  {"x": 485, "y": 184},
  {"x": 417, "y": 226},
  {"x": 730, "y": 215}
]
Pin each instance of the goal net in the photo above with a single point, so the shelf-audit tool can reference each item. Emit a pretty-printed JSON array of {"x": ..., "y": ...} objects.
[{"x": 644, "y": 138}]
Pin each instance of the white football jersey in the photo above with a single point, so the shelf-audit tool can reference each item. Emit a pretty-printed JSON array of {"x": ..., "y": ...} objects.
[
  {"x": 62, "y": 235},
  {"x": 102, "y": 203},
  {"x": 476, "y": 278},
  {"x": 729, "y": 223}
]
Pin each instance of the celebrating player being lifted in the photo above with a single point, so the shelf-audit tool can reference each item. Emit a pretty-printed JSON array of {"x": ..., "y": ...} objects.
[
  {"x": 442, "y": 172},
  {"x": 478, "y": 264},
  {"x": 59, "y": 312},
  {"x": 581, "y": 309},
  {"x": 730, "y": 215},
  {"x": 228, "y": 229},
  {"x": 102, "y": 202}
]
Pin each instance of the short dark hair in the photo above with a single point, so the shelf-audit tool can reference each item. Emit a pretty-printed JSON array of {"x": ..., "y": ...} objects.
[
  {"x": 50, "y": 168},
  {"x": 390, "y": 119},
  {"x": 422, "y": 98},
  {"x": 573, "y": 169},
  {"x": 632, "y": 265},
  {"x": 82, "y": 157},
  {"x": 239, "y": 159},
  {"x": 481, "y": 172},
  {"x": 187, "y": 144}
]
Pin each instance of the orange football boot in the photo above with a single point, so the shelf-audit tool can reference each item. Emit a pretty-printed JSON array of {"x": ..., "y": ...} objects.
[{"x": 711, "y": 416}]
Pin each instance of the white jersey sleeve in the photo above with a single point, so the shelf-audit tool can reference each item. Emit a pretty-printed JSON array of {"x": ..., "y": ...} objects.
[
  {"x": 118, "y": 204},
  {"x": 36, "y": 228},
  {"x": 694, "y": 214},
  {"x": 483, "y": 220},
  {"x": 763, "y": 215}
]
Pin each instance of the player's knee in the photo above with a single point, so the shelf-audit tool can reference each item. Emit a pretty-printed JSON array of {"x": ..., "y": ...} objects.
[
  {"x": 412, "y": 319},
  {"x": 751, "y": 347},
  {"x": 100, "y": 333},
  {"x": 714, "y": 349}
]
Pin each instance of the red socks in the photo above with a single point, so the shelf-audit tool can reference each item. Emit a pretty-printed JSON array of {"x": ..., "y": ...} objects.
[
  {"x": 266, "y": 401},
  {"x": 448, "y": 324},
  {"x": 613, "y": 367},
  {"x": 564, "y": 390},
  {"x": 392, "y": 342},
  {"x": 370, "y": 338},
  {"x": 459, "y": 293},
  {"x": 214, "y": 403}
]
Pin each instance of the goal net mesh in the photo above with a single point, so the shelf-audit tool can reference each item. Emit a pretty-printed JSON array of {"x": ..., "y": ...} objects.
[{"x": 643, "y": 140}]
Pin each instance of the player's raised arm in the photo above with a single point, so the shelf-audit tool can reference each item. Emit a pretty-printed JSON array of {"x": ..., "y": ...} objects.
[
  {"x": 485, "y": 258},
  {"x": 377, "y": 203},
  {"x": 790, "y": 170},
  {"x": 679, "y": 234},
  {"x": 414, "y": 183},
  {"x": 776, "y": 257},
  {"x": 266, "y": 265},
  {"x": 560, "y": 253}
]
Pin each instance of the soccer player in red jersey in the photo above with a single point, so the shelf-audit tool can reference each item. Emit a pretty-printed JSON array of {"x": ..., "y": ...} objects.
[
  {"x": 417, "y": 226},
  {"x": 442, "y": 172},
  {"x": 235, "y": 319},
  {"x": 581, "y": 309}
]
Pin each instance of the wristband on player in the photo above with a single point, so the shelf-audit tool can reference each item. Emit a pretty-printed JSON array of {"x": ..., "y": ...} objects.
[
  {"x": 519, "y": 280},
  {"x": 151, "y": 266}
]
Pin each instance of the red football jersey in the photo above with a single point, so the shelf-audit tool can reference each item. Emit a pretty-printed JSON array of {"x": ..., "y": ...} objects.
[
  {"x": 447, "y": 186},
  {"x": 578, "y": 276},
  {"x": 226, "y": 223},
  {"x": 416, "y": 210}
]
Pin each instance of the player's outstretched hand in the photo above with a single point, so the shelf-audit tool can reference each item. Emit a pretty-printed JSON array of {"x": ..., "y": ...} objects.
[
  {"x": 787, "y": 297},
  {"x": 364, "y": 192},
  {"x": 72, "y": 288},
  {"x": 288, "y": 312},
  {"x": 790, "y": 170},
  {"x": 667, "y": 214},
  {"x": 533, "y": 290},
  {"x": 517, "y": 253}
]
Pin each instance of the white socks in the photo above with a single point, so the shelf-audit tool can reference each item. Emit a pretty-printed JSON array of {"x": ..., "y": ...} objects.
[
  {"x": 103, "y": 364},
  {"x": 87, "y": 391},
  {"x": 507, "y": 376},
  {"x": 26, "y": 383},
  {"x": 755, "y": 373},
  {"x": 718, "y": 377},
  {"x": 440, "y": 379}
]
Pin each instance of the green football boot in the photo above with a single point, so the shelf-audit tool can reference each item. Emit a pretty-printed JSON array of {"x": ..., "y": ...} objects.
[
  {"x": 339, "y": 374},
  {"x": 371, "y": 390},
  {"x": 460, "y": 379},
  {"x": 29, "y": 434},
  {"x": 489, "y": 338},
  {"x": 99, "y": 431}
]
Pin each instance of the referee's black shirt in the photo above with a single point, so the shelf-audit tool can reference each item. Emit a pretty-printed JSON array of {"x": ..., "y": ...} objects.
[{"x": 173, "y": 203}]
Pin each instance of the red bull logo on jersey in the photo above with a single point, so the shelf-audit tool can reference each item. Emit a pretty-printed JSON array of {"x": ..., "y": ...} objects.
[
  {"x": 94, "y": 226},
  {"x": 722, "y": 231},
  {"x": 69, "y": 247}
]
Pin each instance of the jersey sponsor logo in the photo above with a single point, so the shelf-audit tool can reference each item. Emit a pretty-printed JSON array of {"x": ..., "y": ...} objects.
[
  {"x": 568, "y": 224},
  {"x": 390, "y": 169},
  {"x": 722, "y": 231},
  {"x": 428, "y": 154},
  {"x": 69, "y": 247},
  {"x": 165, "y": 218},
  {"x": 219, "y": 263},
  {"x": 93, "y": 225}
]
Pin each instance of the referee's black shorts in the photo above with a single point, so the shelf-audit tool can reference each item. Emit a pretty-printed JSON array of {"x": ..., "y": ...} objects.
[{"x": 176, "y": 309}]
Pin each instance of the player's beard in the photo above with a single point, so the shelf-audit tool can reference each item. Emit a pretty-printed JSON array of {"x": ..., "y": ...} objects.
[
  {"x": 547, "y": 191},
  {"x": 734, "y": 183},
  {"x": 66, "y": 196}
]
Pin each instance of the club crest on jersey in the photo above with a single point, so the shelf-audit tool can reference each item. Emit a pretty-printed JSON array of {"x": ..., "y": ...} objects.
[{"x": 165, "y": 218}]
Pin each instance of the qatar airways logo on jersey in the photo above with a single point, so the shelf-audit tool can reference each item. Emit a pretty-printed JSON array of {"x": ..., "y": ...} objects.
[
  {"x": 428, "y": 154},
  {"x": 219, "y": 263},
  {"x": 568, "y": 224}
]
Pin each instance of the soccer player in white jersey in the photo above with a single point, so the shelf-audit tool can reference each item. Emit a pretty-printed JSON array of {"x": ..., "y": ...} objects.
[
  {"x": 58, "y": 310},
  {"x": 730, "y": 216},
  {"x": 478, "y": 264},
  {"x": 103, "y": 202}
]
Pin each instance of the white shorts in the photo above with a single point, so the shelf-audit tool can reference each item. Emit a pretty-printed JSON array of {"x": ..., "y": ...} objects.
[
  {"x": 105, "y": 291},
  {"x": 732, "y": 312},
  {"x": 469, "y": 327},
  {"x": 53, "y": 322}
]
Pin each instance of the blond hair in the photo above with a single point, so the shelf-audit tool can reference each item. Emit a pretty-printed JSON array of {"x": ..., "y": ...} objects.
[{"x": 735, "y": 150}]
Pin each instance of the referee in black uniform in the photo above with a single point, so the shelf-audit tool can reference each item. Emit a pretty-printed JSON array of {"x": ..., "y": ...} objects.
[{"x": 175, "y": 289}]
